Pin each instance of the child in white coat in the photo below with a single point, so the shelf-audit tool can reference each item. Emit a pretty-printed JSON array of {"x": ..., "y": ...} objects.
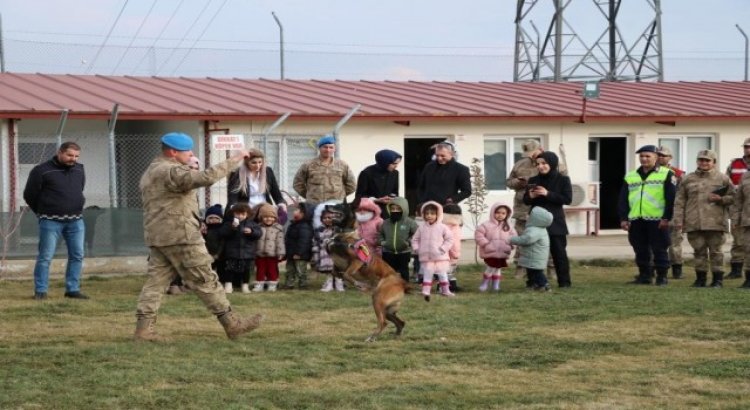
[
  {"x": 431, "y": 242},
  {"x": 492, "y": 238}
]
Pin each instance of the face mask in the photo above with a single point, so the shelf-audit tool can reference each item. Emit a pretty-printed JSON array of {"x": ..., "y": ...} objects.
[
  {"x": 365, "y": 216},
  {"x": 396, "y": 216}
]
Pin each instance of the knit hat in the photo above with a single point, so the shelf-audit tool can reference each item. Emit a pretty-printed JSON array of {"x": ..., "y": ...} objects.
[
  {"x": 328, "y": 139},
  {"x": 215, "y": 210},
  {"x": 177, "y": 141},
  {"x": 267, "y": 210},
  {"x": 386, "y": 157}
]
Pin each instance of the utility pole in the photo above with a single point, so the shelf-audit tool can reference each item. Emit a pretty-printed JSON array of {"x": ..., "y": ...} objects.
[
  {"x": 2, "y": 47},
  {"x": 746, "y": 47},
  {"x": 281, "y": 42}
]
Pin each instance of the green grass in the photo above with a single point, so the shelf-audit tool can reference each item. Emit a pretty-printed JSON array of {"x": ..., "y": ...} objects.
[{"x": 601, "y": 344}]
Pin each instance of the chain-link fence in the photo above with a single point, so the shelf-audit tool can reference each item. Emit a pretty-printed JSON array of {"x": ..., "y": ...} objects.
[{"x": 113, "y": 217}]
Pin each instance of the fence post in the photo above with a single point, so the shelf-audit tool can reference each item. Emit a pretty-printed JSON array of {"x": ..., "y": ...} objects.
[
  {"x": 112, "y": 158},
  {"x": 270, "y": 129},
  {"x": 341, "y": 124},
  {"x": 61, "y": 126}
]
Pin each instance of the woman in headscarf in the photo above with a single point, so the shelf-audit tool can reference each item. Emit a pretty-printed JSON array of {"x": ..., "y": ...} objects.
[
  {"x": 380, "y": 180},
  {"x": 255, "y": 183},
  {"x": 551, "y": 190}
]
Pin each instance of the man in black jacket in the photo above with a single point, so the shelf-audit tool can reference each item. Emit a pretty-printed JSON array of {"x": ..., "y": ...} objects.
[
  {"x": 444, "y": 180},
  {"x": 54, "y": 192}
]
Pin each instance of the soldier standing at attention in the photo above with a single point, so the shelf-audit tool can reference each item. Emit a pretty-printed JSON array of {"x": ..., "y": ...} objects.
[
  {"x": 735, "y": 171},
  {"x": 645, "y": 208},
  {"x": 171, "y": 226},
  {"x": 664, "y": 155},
  {"x": 701, "y": 209}
]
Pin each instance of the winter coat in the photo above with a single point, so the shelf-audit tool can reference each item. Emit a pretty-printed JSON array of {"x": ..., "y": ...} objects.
[
  {"x": 491, "y": 238},
  {"x": 237, "y": 244},
  {"x": 523, "y": 169},
  {"x": 535, "y": 240},
  {"x": 454, "y": 222},
  {"x": 320, "y": 256},
  {"x": 214, "y": 241},
  {"x": 439, "y": 183},
  {"x": 170, "y": 205},
  {"x": 395, "y": 237},
  {"x": 318, "y": 182},
  {"x": 692, "y": 209},
  {"x": 271, "y": 242},
  {"x": 298, "y": 239},
  {"x": 559, "y": 193},
  {"x": 432, "y": 242},
  {"x": 369, "y": 230},
  {"x": 55, "y": 191},
  {"x": 273, "y": 193}
]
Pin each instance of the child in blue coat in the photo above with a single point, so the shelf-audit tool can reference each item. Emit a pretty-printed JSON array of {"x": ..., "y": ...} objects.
[{"x": 534, "y": 243}]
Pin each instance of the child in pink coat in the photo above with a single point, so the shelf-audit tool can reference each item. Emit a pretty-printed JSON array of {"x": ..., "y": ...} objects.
[
  {"x": 492, "y": 238},
  {"x": 453, "y": 219},
  {"x": 432, "y": 242},
  {"x": 369, "y": 222}
]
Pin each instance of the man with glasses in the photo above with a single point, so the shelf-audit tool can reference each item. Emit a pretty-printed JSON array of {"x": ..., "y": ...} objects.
[
  {"x": 645, "y": 208},
  {"x": 664, "y": 155},
  {"x": 701, "y": 209},
  {"x": 736, "y": 169}
]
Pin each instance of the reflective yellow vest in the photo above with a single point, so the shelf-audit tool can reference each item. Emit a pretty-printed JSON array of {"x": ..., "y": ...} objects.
[{"x": 646, "y": 197}]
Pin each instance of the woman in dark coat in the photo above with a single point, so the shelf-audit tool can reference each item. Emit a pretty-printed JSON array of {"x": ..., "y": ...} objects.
[
  {"x": 254, "y": 183},
  {"x": 551, "y": 190},
  {"x": 380, "y": 180}
]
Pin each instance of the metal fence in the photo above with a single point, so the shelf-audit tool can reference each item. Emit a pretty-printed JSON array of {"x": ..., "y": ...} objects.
[{"x": 118, "y": 230}]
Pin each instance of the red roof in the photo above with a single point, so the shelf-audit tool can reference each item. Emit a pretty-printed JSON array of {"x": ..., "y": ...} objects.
[{"x": 92, "y": 96}]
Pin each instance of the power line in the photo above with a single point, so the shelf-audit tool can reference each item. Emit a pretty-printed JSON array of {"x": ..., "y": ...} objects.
[
  {"x": 163, "y": 29},
  {"x": 183, "y": 37},
  {"x": 199, "y": 37},
  {"x": 143, "y": 22},
  {"x": 96, "y": 56}
]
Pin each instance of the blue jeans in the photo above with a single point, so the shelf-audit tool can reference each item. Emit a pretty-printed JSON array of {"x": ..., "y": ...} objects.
[{"x": 49, "y": 233}]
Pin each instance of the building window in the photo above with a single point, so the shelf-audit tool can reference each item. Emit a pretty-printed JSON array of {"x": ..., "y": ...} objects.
[
  {"x": 685, "y": 148},
  {"x": 499, "y": 160}
]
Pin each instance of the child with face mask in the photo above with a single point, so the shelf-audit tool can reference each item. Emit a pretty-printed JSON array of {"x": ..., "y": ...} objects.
[{"x": 395, "y": 236}]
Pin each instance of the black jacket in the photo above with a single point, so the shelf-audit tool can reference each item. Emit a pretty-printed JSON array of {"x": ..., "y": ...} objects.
[
  {"x": 440, "y": 182},
  {"x": 298, "y": 239},
  {"x": 214, "y": 241},
  {"x": 272, "y": 189},
  {"x": 238, "y": 245},
  {"x": 55, "y": 191},
  {"x": 559, "y": 193},
  {"x": 374, "y": 182}
]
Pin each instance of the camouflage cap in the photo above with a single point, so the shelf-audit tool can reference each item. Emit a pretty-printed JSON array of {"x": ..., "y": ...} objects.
[
  {"x": 747, "y": 142},
  {"x": 662, "y": 150},
  {"x": 707, "y": 154}
]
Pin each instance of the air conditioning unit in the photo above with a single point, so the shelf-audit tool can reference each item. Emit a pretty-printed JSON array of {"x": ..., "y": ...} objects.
[{"x": 585, "y": 195}]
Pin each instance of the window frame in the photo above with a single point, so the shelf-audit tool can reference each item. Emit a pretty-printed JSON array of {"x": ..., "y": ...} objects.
[
  {"x": 684, "y": 162},
  {"x": 510, "y": 160}
]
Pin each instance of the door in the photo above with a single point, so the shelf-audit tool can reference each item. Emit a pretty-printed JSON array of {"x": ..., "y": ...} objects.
[
  {"x": 417, "y": 154},
  {"x": 612, "y": 166}
]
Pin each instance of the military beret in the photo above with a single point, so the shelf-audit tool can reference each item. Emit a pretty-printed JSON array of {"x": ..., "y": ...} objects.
[
  {"x": 177, "y": 141},
  {"x": 328, "y": 139},
  {"x": 647, "y": 148}
]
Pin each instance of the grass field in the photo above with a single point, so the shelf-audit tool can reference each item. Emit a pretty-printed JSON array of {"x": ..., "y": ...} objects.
[{"x": 599, "y": 345}]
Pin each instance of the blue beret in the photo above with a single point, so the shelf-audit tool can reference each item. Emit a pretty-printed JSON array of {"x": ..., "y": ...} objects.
[
  {"x": 328, "y": 139},
  {"x": 178, "y": 141},
  {"x": 647, "y": 148}
]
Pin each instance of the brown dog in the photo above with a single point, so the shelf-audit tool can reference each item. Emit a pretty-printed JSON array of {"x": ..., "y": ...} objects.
[{"x": 354, "y": 260}]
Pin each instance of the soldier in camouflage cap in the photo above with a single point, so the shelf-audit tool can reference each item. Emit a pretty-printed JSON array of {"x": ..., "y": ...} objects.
[{"x": 171, "y": 225}]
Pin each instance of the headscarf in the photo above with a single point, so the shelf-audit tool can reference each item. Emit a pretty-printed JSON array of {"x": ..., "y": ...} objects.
[{"x": 386, "y": 157}]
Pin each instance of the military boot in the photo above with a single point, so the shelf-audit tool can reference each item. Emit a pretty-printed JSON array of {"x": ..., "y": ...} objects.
[
  {"x": 676, "y": 271},
  {"x": 746, "y": 284},
  {"x": 144, "y": 330},
  {"x": 235, "y": 326},
  {"x": 736, "y": 272},
  {"x": 717, "y": 279},
  {"x": 661, "y": 276},
  {"x": 700, "y": 279},
  {"x": 644, "y": 276}
]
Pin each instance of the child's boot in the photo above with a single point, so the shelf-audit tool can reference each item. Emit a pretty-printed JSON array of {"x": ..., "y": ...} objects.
[
  {"x": 228, "y": 287},
  {"x": 258, "y": 287},
  {"x": 327, "y": 285},
  {"x": 339, "y": 284},
  {"x": 485, "y": 283},
  {"x": 496, "y": 282},
  {"x": 445, "y": 289},
  {"x": 245, "y": 288},
  {"x": 272, "y": 286},
  {"x": 426, "y": 288}
]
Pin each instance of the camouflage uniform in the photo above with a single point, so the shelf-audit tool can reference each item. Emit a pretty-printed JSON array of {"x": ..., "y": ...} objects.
[
  {"x": 172, "y": 232},
  {"x": 741, "y": 218},
  {"x": 319, "y": 182},
  {"x": 705, "y": 222},
  {"x": 676, "y": 235},
  {"x": 737, "y": 251}
]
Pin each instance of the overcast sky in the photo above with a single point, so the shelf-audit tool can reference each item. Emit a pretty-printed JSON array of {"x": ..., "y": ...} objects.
[{"x": 469, "y": 40}]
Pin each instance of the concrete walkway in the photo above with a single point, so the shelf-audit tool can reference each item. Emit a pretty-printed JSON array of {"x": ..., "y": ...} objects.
[{"x": 609, "y": 245}]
